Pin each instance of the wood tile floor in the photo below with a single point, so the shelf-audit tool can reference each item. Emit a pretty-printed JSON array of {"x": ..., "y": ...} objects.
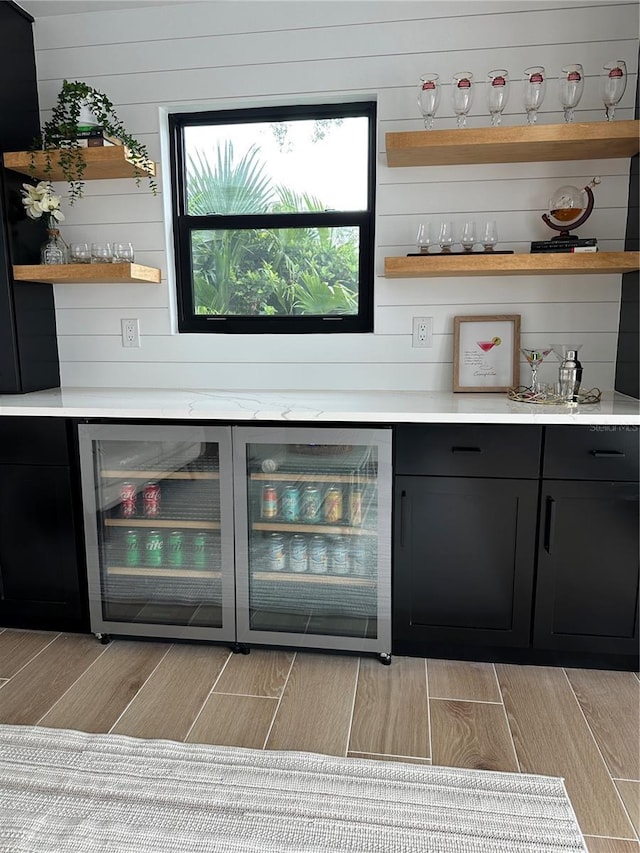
[{"x": 583, "y": 725}]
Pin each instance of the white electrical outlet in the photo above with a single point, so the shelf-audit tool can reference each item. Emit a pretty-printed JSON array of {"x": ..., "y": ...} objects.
[
  {"x": 422, "y": 333},
  {"x": 130, "y": 333}
]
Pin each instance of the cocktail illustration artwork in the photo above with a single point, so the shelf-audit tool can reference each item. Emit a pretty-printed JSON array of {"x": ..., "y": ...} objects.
[
  {"x": 534, "y": 358},
  {"x": 485, "y": 346}
]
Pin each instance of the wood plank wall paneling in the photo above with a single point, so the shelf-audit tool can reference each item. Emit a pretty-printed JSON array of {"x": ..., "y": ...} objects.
[{"x": 219, "y": 55}]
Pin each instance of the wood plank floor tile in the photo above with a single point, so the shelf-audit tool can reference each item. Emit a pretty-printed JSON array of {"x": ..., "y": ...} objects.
[
  {"x": 173, "y": 695},
  {"x": 99, "y": 697},
  {"x": 630, "y": 793},
  {"x": 391, "y": 715},
  {"x": 610, "y": 845},
  {"x": 17, "y": 648},
  {"x": 405, "y": 759},
  {"x": 315, "y": 709},
  {"x": 230, "y": 720},
  {"x": 552, "y": 738},
  {"x": 459, "y": 679},
  {"x": 611, "y": 704},
  {"x": 471, "y": 734},
  {"x": 26, "y": 697},
  {"x": 261, "y": 673}
]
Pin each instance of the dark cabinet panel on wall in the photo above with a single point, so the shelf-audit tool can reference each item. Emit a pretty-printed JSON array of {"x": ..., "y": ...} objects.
[
  {"x": 41, "y": 566},
  {"x": 28, "y": 343}
]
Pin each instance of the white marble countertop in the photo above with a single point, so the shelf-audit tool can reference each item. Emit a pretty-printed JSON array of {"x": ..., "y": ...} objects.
[{"x": 314, "y": 406}]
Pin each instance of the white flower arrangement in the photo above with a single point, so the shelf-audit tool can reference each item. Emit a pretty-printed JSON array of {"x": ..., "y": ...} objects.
[{"x": 40, "y": 201}]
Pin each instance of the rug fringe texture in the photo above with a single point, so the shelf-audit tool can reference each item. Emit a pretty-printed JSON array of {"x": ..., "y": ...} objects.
[{"x": 64, "y": 791}]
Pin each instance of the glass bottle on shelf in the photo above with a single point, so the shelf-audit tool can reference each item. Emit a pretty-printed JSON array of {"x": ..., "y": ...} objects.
[{"x": 54, "y": 250}]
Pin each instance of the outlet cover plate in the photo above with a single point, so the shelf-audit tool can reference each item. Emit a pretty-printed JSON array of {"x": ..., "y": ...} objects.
[{"x": 422, "y": 332}]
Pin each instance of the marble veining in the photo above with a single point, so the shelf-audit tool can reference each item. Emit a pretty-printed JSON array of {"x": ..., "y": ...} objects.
[{"x": 315, "y": 406}]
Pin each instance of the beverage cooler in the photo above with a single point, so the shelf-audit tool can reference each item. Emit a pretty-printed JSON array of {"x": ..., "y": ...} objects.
[{"x": 248, "y": 535}]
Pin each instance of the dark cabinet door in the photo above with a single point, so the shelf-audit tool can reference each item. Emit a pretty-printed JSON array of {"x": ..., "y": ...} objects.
[
  {"x": 464, "y": 560},
  {"x": 39, "y": 582},
  {"x": 587, "y": 584}
]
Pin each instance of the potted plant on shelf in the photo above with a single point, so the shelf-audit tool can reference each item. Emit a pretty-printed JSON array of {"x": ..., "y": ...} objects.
[{"x": 80, "y": 106}]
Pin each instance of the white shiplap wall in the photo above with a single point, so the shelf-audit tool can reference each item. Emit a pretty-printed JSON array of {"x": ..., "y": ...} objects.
[{"x": 247, "y": 52}]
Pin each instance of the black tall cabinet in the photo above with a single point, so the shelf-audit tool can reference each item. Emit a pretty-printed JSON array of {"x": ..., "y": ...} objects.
[{"x": 28, "y": 343}]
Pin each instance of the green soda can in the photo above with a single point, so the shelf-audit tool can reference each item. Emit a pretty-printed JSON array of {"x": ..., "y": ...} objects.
[
  {"x": 176, "y": 554},
  {"x": 153, "y": 549},
  {"x": 132, "y": 548},
  {"x": 199, "y": 550}
]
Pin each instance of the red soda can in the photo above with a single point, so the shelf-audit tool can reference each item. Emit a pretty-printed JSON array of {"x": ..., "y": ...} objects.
[
  {"x": 128, "y": 500},
  {"x": 151, "y": 500}
]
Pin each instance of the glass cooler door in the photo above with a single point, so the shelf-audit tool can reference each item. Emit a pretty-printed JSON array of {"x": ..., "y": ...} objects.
[
  {"x": 313, "y": 566},
  {"x": 159, "y": 530}
]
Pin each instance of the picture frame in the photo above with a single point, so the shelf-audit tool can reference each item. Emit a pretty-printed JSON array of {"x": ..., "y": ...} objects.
[{"x": 486, "y": 353}]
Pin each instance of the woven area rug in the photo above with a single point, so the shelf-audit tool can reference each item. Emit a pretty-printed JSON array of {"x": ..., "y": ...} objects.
[{"x": 69, "y": 792}]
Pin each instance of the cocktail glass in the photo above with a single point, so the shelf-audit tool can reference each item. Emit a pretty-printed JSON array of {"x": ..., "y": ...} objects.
[
  {"x": 534, "y": 358},
  {"x": 485, "y": 346}
]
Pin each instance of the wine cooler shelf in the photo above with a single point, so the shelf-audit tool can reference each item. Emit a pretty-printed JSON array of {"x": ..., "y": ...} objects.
[
  {"x": 189, "y": 523},
  {"x": 287, "y": 527},
  {"x": 165, "y": 475},
  {"x": 161, "y": 572}
]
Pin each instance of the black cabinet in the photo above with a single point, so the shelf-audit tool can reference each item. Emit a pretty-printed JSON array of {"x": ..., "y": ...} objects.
[
  {"x": 28, "y": 342},
  {"x": 42, "y": 581},
  {"x": 587, "y": 583},
  {"x": 505, "y": 552},
  {"x": 466, "y": 503}
]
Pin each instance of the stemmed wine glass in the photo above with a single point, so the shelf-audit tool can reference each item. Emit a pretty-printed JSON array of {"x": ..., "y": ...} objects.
[
  {"x": 462, "y": 96},
  {"x": 497, "y": 94},
  {"x": 613, "y": 82},
  {"x": 571, "y": 82},
  {"x": 429, "y": 98},
  {"x": 535, "y": 87},
  {"x": 534, "y": 358}
]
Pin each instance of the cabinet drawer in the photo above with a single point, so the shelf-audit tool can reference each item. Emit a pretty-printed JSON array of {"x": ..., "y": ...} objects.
[
  {"x": 468, "y": 450},
  {"x": 591, "y": 453},
  {"x": 33, "y": 441}
]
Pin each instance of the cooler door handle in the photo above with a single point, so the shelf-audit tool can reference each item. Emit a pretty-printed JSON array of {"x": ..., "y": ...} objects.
[
  {"x": 607, "y": 454},
  {"x": 549, "y": 524},
  {"x": 403, "y": 503},
  {"x": 459, "y": 449}
]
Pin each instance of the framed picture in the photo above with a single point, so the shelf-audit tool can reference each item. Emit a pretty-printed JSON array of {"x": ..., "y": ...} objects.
[{"x": 486, "y": 353}]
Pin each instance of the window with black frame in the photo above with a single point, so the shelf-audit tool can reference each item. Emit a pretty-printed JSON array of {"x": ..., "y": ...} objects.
[{"x": 273, "y": 217}]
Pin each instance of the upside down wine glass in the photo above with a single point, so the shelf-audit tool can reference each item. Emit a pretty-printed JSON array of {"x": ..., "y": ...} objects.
[{"x": 534, "y": 358}]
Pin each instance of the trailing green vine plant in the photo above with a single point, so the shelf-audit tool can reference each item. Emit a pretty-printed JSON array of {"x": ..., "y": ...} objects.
[{"x": 61, "y": 131}]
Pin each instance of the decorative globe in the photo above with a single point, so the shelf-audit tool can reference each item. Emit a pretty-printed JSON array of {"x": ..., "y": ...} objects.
[{"x": 566, "y": 206}]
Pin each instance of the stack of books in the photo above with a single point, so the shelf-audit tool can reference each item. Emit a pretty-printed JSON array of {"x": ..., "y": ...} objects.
[
  {"x": 585, "y": 244},
  {"x": 93, "y": 137}
]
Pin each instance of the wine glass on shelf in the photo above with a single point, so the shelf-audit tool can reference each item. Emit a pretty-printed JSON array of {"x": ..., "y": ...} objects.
[
  {"x": 613, "y": 82},
  {"x": 462, "y": 96},
  {"x": 445, "y": 237},
  {"x": 497, "y": 94},
  {"x": 468, "y": 238},
  {"x": 535, "y": 86},
  {"x": 489, "y": 235},
  {"x": 429, "y": 98},
  {"x": 571, "y": 83},
  {"x": 424, "y": 238},
  {"x": 534, "y": 358}
]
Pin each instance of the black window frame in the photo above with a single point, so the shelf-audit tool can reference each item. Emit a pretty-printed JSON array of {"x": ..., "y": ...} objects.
[{"x": 183, "y": 225}]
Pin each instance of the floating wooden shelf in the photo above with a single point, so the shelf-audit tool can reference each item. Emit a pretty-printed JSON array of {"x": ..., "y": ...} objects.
[
  {"x": 302, "y": 577},
  {"x": 598, "y": 140},
  {"x": 174, "y": 524},
  {"x": 583, "y": 263},
  {"x": 88, "y": 273},
  {"x": 103, "y": 163}
]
